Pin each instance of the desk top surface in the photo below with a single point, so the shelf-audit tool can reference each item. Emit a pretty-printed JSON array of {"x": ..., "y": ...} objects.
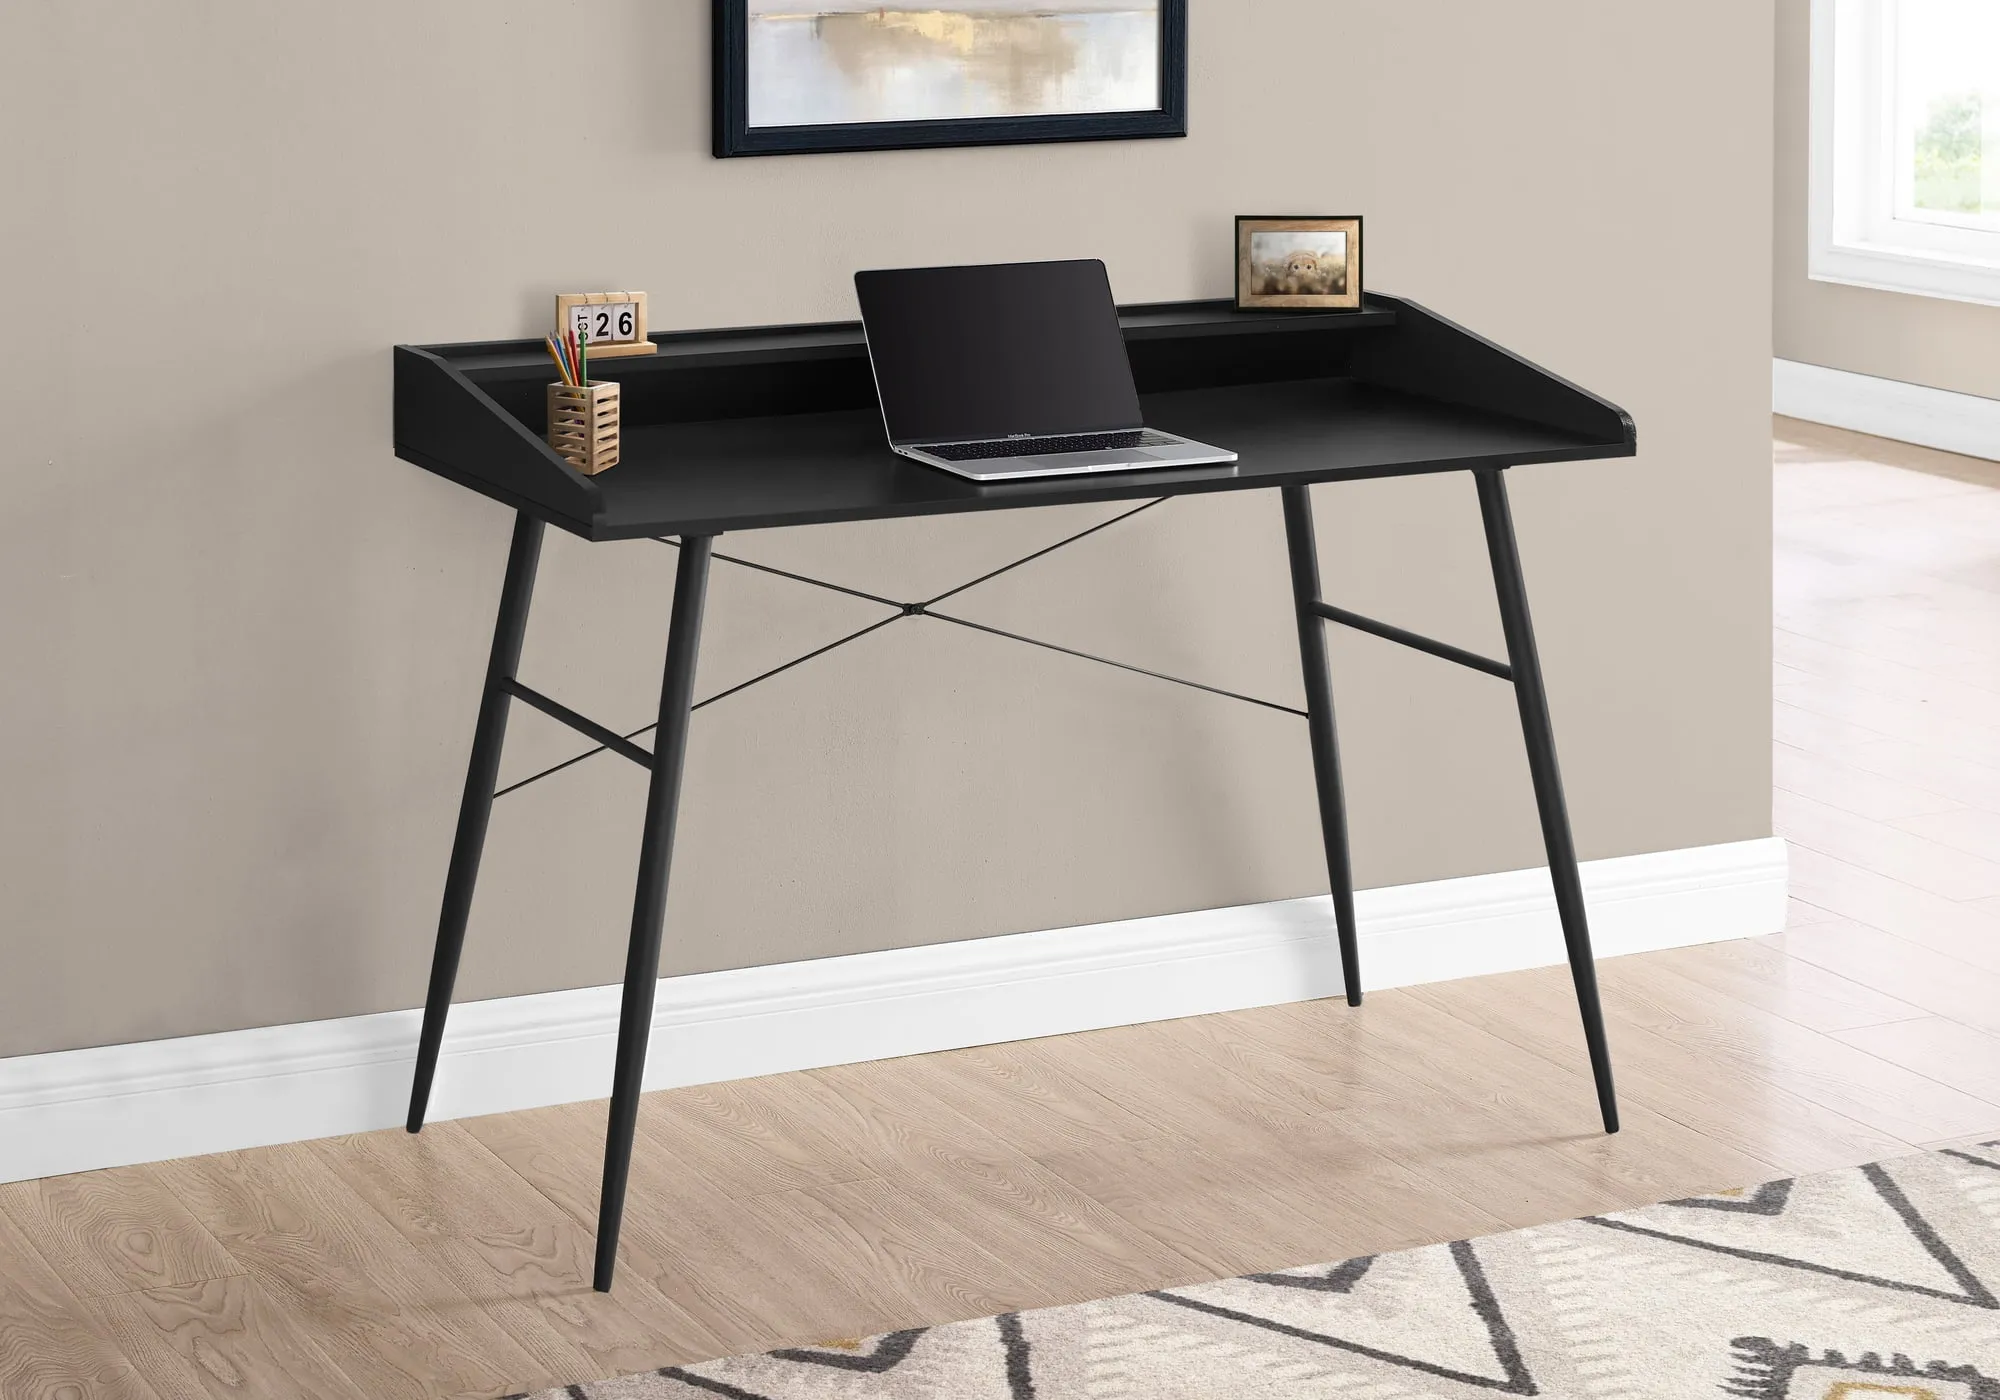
[
  {"x": 819, "y": 467},
  {"x": 1343, "y": 398}
]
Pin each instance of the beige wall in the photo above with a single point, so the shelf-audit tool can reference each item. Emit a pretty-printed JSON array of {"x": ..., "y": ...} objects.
[
  {"x": 1919, "y": 340},
  {"x": 243, "y": 641}
]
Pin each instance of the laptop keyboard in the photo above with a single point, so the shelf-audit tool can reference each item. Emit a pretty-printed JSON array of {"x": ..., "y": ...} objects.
[{"x": 1041, "y": 446}]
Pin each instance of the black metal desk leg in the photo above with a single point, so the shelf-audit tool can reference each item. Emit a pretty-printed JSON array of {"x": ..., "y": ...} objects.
[
  {"x": 477, "y": 804},
  {"x": 649, "y": 905},
  {"x": 1512, "y": 592},
  {"x": 1319, "y": 718}
]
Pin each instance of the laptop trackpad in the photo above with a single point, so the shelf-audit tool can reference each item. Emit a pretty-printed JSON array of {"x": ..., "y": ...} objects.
[{"x": 1057, "y": 461}]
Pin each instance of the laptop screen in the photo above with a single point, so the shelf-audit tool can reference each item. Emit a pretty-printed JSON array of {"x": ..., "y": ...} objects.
[{"x": 967, "y": 353}]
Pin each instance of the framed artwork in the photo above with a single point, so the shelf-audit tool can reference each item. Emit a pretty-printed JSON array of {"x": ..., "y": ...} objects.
[
  {"x": 858, "y": 75},
  {"x": 1298, "y": 262}
]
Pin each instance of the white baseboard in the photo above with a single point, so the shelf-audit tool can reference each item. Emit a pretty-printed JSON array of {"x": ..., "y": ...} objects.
[
  {"x": 1888, "y": 408},
  {"x": 77, "y": 1110}
]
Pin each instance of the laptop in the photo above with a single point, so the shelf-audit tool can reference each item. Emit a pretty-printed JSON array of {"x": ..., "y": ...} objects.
[{"x": 1010, "y": 370}]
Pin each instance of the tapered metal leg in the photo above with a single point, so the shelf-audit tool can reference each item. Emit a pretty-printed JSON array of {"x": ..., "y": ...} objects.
[
  {"x": 1512, "y": 592},
  {"x": 477, "y": 804},
  {"x": 649, "y": 905},
  {"x": 1319, "y": 719}
]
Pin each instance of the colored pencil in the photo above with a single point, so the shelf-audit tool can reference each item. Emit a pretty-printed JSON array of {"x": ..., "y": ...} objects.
[
  {"x": 583, "y": 358},
  {"x": 549, "y": 344}
]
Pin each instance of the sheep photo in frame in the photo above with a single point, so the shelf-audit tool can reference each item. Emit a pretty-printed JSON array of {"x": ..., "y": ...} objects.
[{"x": 1298, "y": 263}]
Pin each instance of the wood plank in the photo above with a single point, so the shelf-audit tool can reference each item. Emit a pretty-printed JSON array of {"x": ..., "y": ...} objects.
[
  {"x": 1537, "y": 1010},
  {"x": 220, "y": 1339},
  {"x": 1948, "y": 1051},
  {"x": 1939, "y": 984},
  {"x": 536, "y": 1283},
  {"x": 1947, "y": 549},
  {"x": 1775, "y": 1052},
  {"x": 1817, "y": 733},
  {"x": 550, "y": 1149},
  {"x": 361, "y": 1292},
  {"x": 732, "y": 1266},
  {"x": 1366, "y": 1160},
  {"x": 114, "y": 1231},
  {"x": 1759, "y": 973},
  {"x": 1888, "y": 850},
  {"x": 1542, "y": 1111},
  {"x": 745, "y": 1139},
  {"x": 1846, "y": 468},
  {"x": 1969, "y": 829},
  {"x": 929, "y": 1268},
  {"x": 1226, "y": 1210},
  {"x": 1835, "y": 668},
  {"x": 1957, "y": 929},
  {"x": 1946, "y": 648},
  {"x": 1939, "y": 770},
  {"x": 992, "y": 1193},
  {"x": 1856, "y": 790},
  {"x": 1164, "y": 1076},
  {"x": 1044, "y": 1104},
  {"x": 1885, "y": 616},
  {"x": 50, "y": 1347},
  {"x": 435, "y": 1185},
  {"x": 1322, "y": 1084}
]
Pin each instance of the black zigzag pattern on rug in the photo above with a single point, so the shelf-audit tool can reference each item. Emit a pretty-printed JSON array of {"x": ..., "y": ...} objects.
[
  {"x": 1515, "y": 1379},
  {"x": 1975, "y": 1293}
]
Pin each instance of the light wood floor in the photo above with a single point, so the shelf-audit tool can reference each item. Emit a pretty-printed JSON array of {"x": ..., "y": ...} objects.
[{"x": 849, "y": 1201}]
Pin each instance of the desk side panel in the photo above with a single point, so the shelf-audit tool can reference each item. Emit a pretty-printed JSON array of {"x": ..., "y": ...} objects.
[
  {"x": 447, "y": 424},
  {"x": 1426, "y": 355}
]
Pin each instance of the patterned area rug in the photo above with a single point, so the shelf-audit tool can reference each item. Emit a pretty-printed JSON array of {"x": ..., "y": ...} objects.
[{"x": 1876, "y": 1283}]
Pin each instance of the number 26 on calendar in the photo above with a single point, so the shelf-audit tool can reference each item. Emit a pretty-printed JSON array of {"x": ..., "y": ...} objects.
[{"x": 615, "y": 322}]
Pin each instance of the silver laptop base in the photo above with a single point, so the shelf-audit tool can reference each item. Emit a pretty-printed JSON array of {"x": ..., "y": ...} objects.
[{"x": 1181, "y": 452}]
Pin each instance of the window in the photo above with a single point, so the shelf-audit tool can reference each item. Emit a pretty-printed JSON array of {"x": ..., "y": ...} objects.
[{"x": 1905, "y": 186}]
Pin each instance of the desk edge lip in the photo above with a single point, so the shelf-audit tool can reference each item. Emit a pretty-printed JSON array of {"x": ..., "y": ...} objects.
[{"x": 1377, "y": 308}]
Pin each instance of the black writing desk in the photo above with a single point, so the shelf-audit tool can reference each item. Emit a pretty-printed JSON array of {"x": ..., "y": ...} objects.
[{"x": 751, "y": 429}]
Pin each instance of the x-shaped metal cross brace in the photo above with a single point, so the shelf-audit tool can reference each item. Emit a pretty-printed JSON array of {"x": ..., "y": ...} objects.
[{"x": 609, "y": 740}]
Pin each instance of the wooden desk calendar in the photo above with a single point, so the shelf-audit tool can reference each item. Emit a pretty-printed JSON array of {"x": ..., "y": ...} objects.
[
  {"x": 766, "y": 427},
  {"x": 614, "y": 321}
]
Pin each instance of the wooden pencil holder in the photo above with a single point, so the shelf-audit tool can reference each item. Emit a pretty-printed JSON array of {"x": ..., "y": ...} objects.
[{"x": 583, "y": 425}]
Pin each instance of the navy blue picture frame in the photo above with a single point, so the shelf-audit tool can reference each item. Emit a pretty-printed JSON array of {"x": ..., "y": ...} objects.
[{"x": 734, "y": 136}]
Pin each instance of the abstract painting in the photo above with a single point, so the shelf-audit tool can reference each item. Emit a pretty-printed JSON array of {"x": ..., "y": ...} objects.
[{"x": 819, "y": 75}]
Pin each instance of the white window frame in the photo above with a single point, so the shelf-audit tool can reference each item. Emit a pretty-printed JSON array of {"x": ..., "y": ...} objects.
[{"x": 1853, "y": 232}]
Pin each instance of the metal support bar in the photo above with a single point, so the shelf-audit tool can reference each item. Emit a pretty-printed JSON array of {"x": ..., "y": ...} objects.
[
  {"x": 649, "y": 902},
  {"x": 1064, "y": 542},
  {"x": 1415, "y": 640},
  {"x": 607, "y": 739},
  {"x": 787, "y": 573},
  {"x": 582, "y": 724},
  {"x": 763, "y": 676},
  {"x": 1304, "y": 556},
  {"x": 919, "y": 610},
  {"x": 475, "y": 807},
  {"x": 1512, "y": 592}
]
